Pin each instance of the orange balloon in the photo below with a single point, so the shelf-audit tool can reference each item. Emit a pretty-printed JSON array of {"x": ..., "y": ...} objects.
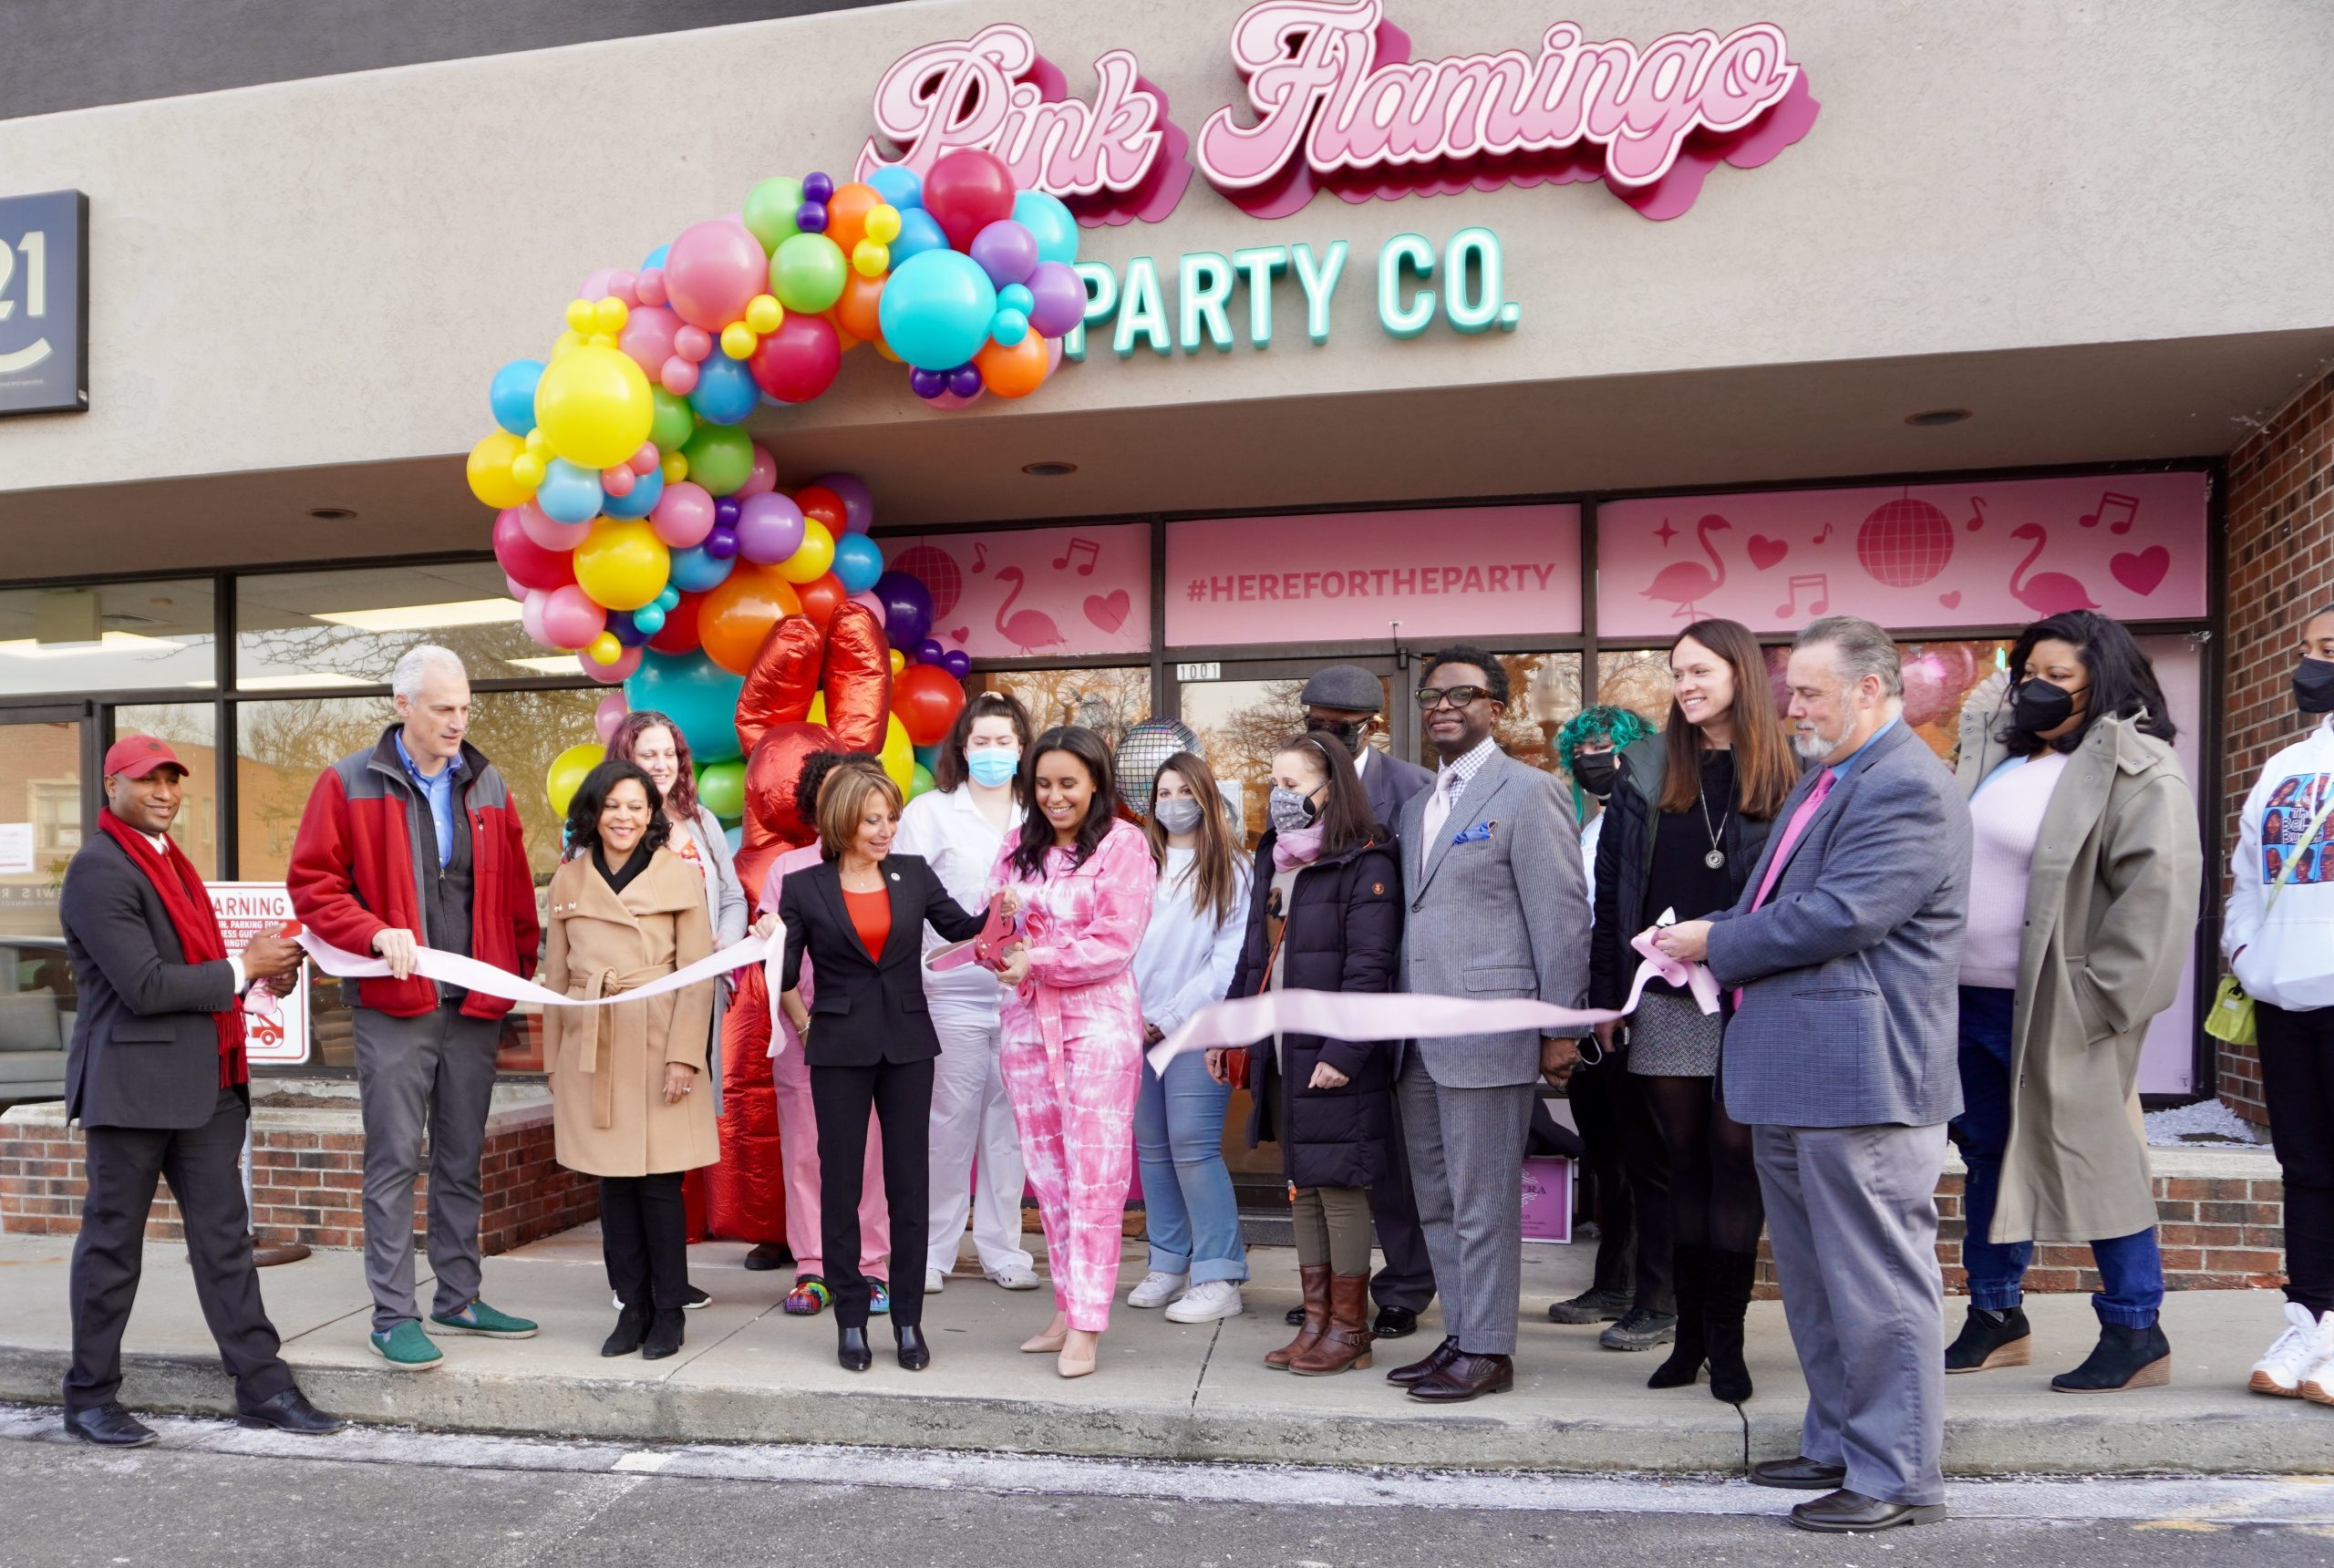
[
  {"x": 820, "y": 598},
  {"x": 856, "y": 311},
  {"x": 737, "y": 613},
  {"x": 1014, "y": 372},
  {"x": 847, "y": 211}
]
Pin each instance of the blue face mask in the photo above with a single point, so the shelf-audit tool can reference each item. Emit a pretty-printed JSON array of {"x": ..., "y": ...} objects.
[{"x": 993, "y": 764}]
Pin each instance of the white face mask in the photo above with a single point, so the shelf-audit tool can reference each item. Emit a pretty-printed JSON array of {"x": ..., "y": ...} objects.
[{"x": 1180, "y": 815}]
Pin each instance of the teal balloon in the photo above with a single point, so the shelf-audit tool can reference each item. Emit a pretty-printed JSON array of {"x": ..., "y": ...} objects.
[
  {"x": 1046, "y": 217},
  {"x": 695, "y": 694},
  {"x": 927, "y": 756},
  {"x": 512, "y": 396},
  {"x": 936, "y": 308}
]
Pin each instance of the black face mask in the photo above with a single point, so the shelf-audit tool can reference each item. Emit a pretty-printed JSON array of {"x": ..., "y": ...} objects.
[
  {"x": 2314, "y": 686},
  {"x": 1595, "y": 771},
  {"x": 1349, "y": 731},
  {"x": 2040, "y": 707}
]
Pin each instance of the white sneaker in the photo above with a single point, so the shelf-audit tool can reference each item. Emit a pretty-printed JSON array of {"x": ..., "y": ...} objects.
[
  {"x": 2293, "y": 1356},
  {"x": 934, "y": 1282},
  {"x": 2318, "y": 1383},
  {"x": 1013, "y": 1276},
  {"x": 1157, "y": 1289},
  {"x": 1207, "y": 1301}
]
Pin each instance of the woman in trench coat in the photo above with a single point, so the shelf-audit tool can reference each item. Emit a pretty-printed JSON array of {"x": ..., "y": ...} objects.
[{"x": 2084, "y": 879}]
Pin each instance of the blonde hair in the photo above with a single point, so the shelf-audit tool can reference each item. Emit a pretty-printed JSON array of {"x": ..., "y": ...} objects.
[{"x": 842, "y": 802}]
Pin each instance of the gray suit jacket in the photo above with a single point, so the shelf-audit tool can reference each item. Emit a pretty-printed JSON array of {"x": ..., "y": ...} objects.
[
  {"x": 1849, "y": 972},
  {"x": 1392, "y": 783},
  {"x": 1503, "y": 914}
]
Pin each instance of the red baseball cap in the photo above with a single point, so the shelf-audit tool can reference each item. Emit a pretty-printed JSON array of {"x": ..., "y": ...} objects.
[{"x": 136, "y": 756}]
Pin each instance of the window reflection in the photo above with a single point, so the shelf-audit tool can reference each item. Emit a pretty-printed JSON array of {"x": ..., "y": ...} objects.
[
  {"x": 1107, "y": 700},
  {"x": 1543, "y": 690},
  {"x": 300, "y": 630},
  {"x": 191, "y": 730},
  {"x": 121, "y": 637}
]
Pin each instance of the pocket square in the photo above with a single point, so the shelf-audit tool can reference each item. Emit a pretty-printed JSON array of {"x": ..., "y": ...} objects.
[{"x": 1481, "y": 833}]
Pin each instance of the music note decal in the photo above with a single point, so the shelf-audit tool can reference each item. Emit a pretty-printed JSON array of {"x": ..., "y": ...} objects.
[
  {"x": 1816, "y": 585},
  {"x": 980, "y": 557},
  {"x": 1085, "y": 551},
  {"x": 1976, "y": 513},
  {"x": 1826, "y": 533},
  {"x": 2117, "y": 511}
]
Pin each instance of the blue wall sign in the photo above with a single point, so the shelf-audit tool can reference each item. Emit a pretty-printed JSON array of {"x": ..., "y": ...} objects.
[{"x": 44, "y": 303}]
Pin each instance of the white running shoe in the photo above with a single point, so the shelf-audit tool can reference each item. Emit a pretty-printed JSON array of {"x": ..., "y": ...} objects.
[
  {"x": 1207, "y": 1301},
  {"x": 934, "y": 1282},
  {"x": 1157, "y": 1289},
  {"x": 2318, "y": 1383},
  {"x": 1013, "y": 1276},
  {"x": 2293, "y": 1356}
]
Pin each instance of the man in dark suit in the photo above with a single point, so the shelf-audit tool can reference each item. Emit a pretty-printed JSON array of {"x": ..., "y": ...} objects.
[
  {"x": 1345, "y": 701},
  {"x": 157, "y": 1077}
]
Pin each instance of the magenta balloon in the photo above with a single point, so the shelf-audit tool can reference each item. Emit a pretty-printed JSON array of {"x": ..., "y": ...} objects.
[
  {"x": 525, "y": 561},
  {"x": 769, "y": 527},
  {"x": 571, "y": 619},
  {"x": 966, "y": 191},
  {"x": 1059, "y": 298},
  {"x": 1006, "y": 252},
  {"x": 648, "y": 336},
  {"x": 875, "y": 605},
  {"x": 858, "y": 503},
  {"x": 798, "y": 361},
  {"x": 683, "y": 516},
  {"x": 712, "y": 270},
  {"x": 550, "y": 535},
  {"x": 615, "y": 674},
  {"x": 764, "y": 477}
]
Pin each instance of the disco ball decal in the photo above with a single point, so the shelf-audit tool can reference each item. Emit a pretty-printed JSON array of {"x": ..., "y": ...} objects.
[
  {"x": 1904, "y": 542},
  {"x": 939, "y": 573},
  {"x": 1143, "y": 748}
]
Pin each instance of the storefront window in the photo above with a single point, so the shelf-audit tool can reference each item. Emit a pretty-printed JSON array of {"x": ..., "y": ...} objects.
[
  {"x": 1544, "y": 691},
  {"x": 1107, "y": 700},
  {"x": 299, "y": 630},
  {"x": 191, "y": 730},
  {"x": 123, "y": 636},
  {"x": 1636, "y": 679}
]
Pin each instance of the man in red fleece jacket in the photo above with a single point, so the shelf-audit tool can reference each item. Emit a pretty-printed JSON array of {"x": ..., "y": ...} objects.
[{"x": 414, "y": 842}]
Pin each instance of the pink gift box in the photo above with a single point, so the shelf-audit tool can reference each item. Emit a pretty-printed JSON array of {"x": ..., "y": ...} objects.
[{"x": 1547, "y": 1200}]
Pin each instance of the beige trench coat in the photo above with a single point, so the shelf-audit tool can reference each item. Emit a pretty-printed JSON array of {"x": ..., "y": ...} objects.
[
  {"x": 2110, "y": 917},
  {"x": 607, "y": 1064}
]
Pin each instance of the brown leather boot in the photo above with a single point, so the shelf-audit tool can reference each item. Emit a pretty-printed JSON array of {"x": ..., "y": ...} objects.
[
  {"x": 1315, "y": 1277},
  {"x": 1347, "y": 1343}
]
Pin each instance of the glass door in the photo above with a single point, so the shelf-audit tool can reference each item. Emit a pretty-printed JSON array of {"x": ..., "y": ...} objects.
[{"x": 46, "y": 804}]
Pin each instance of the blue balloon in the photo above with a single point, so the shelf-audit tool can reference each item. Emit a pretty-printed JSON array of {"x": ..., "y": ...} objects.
[
  {"x": 725, "y": 392},
  {"x": 919, "y": 233},
  {"x": 908, "y": 603},
  {"x": 512, "y": 396},
  {"x": 1009, "y": 327},
  {"x": 858, "y": 562},
  {"x": 1046, "y": 217},
  {"x": 936, "y": 310},
  {"x": 695, "y": 694},
  {"x": 655, "y": 259},
  {"x": 736, "y": 837},
  {"x": 649, "y": 619},
  {"x": 569, "y": 494},
  {"x": 648, "y": 490},
  {"x": 694, "y": 571},
  {"x": 899, "y": 186}
]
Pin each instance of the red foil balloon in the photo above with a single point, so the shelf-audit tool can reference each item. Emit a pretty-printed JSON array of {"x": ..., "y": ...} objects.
[{"x": 858, "y": 678}]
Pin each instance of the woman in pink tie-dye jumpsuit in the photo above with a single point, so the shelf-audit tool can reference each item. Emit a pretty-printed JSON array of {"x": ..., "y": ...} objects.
[{"x": 1080, "y": 881}]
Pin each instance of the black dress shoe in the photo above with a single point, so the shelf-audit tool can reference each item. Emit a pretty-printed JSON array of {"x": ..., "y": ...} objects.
[
  {"x": 1465, "y": 1377},
  {"x": 666, "y": 1333},
  {"x": 914, "y": 1354},
  {"x": 109, "y": 1426},
  {"x": 1434, "y": 1361},
  {"x": 1989, "y": 1339},
  {"x": 851, "y": 1349},
  {"x": 697, "y": 1299},
  {"x": 1798, "y": 1473},
  {"x": 767, "y": 1256},
  {"x": 1294, "y": 1315},
  {"x": 2124, "y": 1359},
  {"x": 630, "y": 1331},
  {"x": 1845, "y": 1512},
  {"x": 1395, "y": 1323},
  {"x": 289, "y": 1412}
]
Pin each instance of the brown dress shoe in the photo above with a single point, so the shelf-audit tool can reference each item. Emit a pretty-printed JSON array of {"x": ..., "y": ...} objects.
[
  {"x": 1315, "y": 1278},
  {"x": 1426, "y": 1366},
  {"x": 1345, "y": 1344},
  {"x": 1465, "y": 1377}
]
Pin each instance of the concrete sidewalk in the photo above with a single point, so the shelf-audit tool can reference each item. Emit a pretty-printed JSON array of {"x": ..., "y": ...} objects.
[{"x": 1164, "y": 1390}]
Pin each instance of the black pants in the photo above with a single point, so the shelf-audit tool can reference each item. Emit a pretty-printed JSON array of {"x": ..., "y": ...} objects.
[
  {"x": 1611, "y": 1202},
  {"x": 2298, "y": 1082},
  {"x": 645, "y": 1236},
  {"x": 901, "y": 1094},
  {"x": 1408, "y": 1278},
  {"x": 1714, "y": 1200},
  {"x": 204, "y": 1167},
  {"x": 1645, "y": 1160}
]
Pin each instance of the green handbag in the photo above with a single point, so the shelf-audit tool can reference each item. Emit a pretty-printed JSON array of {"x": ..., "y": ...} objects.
[{"x": 2231, "y": 1017}]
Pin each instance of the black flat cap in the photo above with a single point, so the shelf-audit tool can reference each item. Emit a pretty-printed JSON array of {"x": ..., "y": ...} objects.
[{"x": 1347, "y": 687}]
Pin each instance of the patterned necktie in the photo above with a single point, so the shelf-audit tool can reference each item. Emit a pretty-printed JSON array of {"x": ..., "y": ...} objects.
[{"x": 1438, "y": 810}]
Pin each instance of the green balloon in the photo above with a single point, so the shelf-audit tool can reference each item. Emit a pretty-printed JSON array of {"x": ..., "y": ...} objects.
[
  {"x": 920, "y": 781},
  {"x": 721, "y": 457},
  {"x": 722, "y": 787},
  {"x": 769, "y": 211},
  {"x": 674, "y": 421},
  {"x": 807, "y": 273}
]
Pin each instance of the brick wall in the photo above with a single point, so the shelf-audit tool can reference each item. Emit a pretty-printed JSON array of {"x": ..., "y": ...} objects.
[{"x": 2279, "y": 513}]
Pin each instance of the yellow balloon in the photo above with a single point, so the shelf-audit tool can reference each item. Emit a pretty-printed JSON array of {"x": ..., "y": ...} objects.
[
  {"x": 609, "y": 316},
  {"x": 580, "y": 314},
  {"x": 491, "y": 480},
  {"x": 818, "y": 714},
  {"x": 871, "y": 259},
  {"x": 899, "y": 753},
  {"x": 676, "y": 468},
  {"x": 604, "y": 649},
  {"x": 882, "y": 225},
  {"x": 622, "y": 564},
  {"x": 539, "y": 446},
  {"x": 568, "y": 343},
  {"x": 527, "y": 471},
  {"x": 810, "y": 562},
  {"x": 899, "y": 661},
  {"x": 738, "y": 340},
  {"x": 764, "y": 316},
  {"x": 595, "y": 405},
  {"x": 568, "y": 772}
]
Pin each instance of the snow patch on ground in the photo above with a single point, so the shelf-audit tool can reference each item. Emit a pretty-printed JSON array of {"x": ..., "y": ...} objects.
[{"x": 2207, "y": 1121}]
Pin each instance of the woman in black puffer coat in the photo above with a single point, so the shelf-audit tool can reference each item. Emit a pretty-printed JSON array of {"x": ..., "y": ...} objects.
[{"x": 1326, "y": 915}]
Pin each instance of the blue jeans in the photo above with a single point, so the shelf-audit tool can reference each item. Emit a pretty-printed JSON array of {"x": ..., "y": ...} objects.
[
  {"x": 2131, "y": 1269},
  {"x": 1188, "y": 1208}
]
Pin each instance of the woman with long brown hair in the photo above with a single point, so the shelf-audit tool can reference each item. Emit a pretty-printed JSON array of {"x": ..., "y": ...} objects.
[{"x": 1681, "y": 840}]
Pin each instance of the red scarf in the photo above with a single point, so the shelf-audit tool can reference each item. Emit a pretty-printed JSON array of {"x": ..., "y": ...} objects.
[{"x": 188, "y": 903}]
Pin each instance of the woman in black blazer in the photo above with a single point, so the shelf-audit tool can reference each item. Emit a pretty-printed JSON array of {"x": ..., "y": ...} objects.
[{"x": 860, "y": 914}]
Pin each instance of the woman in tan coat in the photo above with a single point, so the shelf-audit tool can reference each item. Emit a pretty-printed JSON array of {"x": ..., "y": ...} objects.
[{"x": 2085, "y": 869}]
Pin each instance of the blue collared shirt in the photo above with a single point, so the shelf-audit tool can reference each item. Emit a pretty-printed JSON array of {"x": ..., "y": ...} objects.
[
  {"x": 1842, "y": 766},
  {"x": 438, "y": 790}
]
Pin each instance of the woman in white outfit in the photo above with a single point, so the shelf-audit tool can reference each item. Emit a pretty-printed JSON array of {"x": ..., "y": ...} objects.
[{"x": 960, "y": 827}]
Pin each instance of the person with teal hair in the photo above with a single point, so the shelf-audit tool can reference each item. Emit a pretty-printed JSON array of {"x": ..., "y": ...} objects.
[{"x": 1603, "y": 729}]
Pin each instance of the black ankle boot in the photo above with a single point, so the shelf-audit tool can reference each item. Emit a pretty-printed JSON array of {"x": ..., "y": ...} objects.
[
  {"x": 2124, "y": 1359},
  {"x": 1728, "y": 1298},
  {"x": 850, "y": 1349},
  {"x": 1690, "y": 1268},
  {"x": 632, "y": 1328},
  {"x": 1991, "y": 1339},
  {"x": 914, "y": 1354},
  {"x": 665, "y": 1334}
]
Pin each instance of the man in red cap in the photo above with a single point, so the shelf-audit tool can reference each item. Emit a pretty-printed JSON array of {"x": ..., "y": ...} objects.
[{"x": 157, "y": 1077}]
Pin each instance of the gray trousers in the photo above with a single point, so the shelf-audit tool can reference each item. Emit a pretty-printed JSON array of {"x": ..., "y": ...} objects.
[
  {"x": 434, "y": 1074},
  {"x": 1466, "y": 1147},
  {"x": 1852, "y": 1213}
]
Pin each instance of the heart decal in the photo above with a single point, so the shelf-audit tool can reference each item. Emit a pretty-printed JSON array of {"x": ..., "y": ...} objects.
[
  {"x": 1766, "y": 552},
  {"x": 2142, "y": 573},
  {"x": 1108, "y": 611},
  {"x": 1951, "y": 600}
]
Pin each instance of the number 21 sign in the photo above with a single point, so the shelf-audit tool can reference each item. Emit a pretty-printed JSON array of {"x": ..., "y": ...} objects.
[{"x": 44, "y": 303}]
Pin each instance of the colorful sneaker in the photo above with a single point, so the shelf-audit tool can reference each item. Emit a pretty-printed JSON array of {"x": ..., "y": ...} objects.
[
  {"x": 809, "y": 1297},
  {"x": 1156, "y": 1288},
  {"x": 406, "y": 1349},
  {"x": 879, "y": 1296},
  {"x": 482, "y": 1320},
  {"x": 2292, "y": 1355}
]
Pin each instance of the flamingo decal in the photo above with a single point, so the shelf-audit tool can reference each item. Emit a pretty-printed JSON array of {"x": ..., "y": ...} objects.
[
  {"x": 1682, "y": 582},
  {"x": 2045, "y": 593},
  {"x": 1028, "y": 630}
]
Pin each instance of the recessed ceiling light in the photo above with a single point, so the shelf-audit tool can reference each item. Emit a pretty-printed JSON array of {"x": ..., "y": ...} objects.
[
  {"x": 331, "y": 513},
  {"x": 1049, "y": 471},
  {"x": 1928, "y": 416}
]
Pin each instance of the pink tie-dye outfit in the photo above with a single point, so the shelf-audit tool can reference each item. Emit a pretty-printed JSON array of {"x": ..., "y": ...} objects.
[{"x": 1073, "y": 1056}]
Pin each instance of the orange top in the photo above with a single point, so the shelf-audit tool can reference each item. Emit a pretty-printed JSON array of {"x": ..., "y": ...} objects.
[{"x": 870, "y": 917}]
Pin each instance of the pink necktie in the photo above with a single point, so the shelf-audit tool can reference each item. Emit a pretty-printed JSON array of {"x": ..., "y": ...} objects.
[{"x": 1791, "y": 830}]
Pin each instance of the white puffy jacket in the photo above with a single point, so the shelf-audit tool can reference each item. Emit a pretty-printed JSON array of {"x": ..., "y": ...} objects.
[{"x": 2283, "y": 953}]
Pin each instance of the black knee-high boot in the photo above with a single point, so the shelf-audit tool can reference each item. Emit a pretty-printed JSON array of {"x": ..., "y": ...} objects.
[
  {"x": 1726, "y": 1297},
  {"x": 1689, "y": 1271}
]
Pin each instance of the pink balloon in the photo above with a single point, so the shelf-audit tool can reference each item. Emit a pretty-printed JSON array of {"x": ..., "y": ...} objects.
[
  {"x": 608, "y": 715},
  {"x": 684, "y": 516},
  {"x": 693, "y": 344},
  {"x": 949, "y": 400},
  {"x": 875, "y": 605},
  {"x": 611, "y": 674},
  {"x": 519, "y": 590},
  {"x": 548, "y": 533},
  {"x": 527, "y": 561},
  {"x": 769, "y": 527},
  {"x": 624, "y": 285},
  {"x": 595, "y": 287},
  {"x": 618, "y": 481},
  {"x": 858, "y": 504},
  {"x": 643, "y": 462},
  {"x": 571, "y": 619},
  {"x": 678, "y": 377},
  {"x": 712, "y": 271},
  {"x": 649, "y": 286},
  {"x": 1053, "y": 356},
  {"x": 764, "y": 479},
  {"x": 530, "y": 615},
  {"x": 648, "y": 336}
]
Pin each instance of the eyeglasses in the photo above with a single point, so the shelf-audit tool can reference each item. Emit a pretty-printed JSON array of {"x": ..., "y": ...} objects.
[{"x": 1432, "y": 698}]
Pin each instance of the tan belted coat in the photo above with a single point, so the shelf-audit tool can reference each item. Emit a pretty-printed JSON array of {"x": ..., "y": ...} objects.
[
  {"x": 607, "y": 1064},
  {"x": 2110, "y": 917}
]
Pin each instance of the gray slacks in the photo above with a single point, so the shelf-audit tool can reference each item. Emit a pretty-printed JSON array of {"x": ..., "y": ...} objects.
[
  {"x": 434, "y": 1074},
  {"x": 1466, "y": 1147},
  {"x": 1852, "y": 1215}
]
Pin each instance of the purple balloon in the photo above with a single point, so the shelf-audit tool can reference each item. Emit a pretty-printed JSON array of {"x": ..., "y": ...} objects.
[
  {"x": 811, "y": 218},
  {"x": 927, "y": 384},
  {"x": 958, "y": 663},
  {"x": 1058, "y": 298},
  {"x": 858, "y": 502},
  {"x": 817, "y": 187},
  {"x": 725, "y": 512},
  {"x": 965, "y": 380},
  {"x": 1006, "y": 252},
  {"x": 907, "y": 608},
  {"x": 620, "y": 622},
  {"x": 721, "y": 543},
  {"x": 931, "y": 653},
  {"x": 769, "y": 527}
]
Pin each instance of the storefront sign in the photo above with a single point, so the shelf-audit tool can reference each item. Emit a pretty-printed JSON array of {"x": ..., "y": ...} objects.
[
  {"x": 44, "y": 303},
  {"x": 1986, "y": 553},
  {"x": 1046, "y": 593},
  {"x": 15, "y": 848},
  {"x": 1345, "y": 577},
  {"x": 244, "y": 910}
]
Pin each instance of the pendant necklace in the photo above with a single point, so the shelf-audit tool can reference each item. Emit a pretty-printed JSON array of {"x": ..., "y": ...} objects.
[{"x": 1716, "y": 859}]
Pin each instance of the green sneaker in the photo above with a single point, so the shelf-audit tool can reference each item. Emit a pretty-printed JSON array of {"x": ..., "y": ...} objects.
[
  {"x": 481, "y": 1319},
  {"x": 406, "y": 1349}
]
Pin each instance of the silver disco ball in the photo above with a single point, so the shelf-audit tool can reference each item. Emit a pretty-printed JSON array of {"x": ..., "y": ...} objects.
[{"x": 1142, "y": 751}]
